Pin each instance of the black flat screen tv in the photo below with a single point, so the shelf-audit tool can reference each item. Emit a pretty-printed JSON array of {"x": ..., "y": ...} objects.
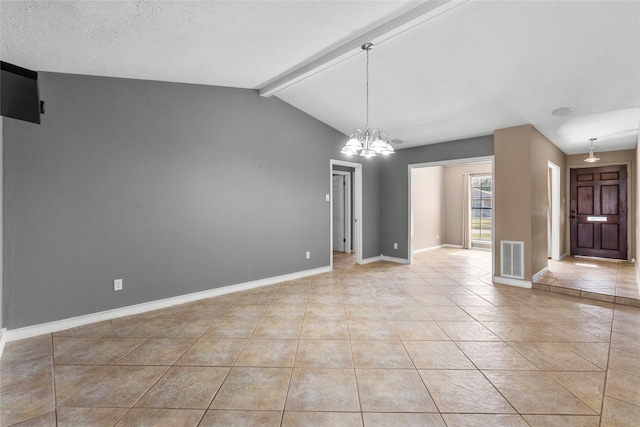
[{"x": 19, "y": 95}]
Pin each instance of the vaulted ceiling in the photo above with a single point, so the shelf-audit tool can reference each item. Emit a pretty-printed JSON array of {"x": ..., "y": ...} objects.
[{"x": 441, "y": 70}]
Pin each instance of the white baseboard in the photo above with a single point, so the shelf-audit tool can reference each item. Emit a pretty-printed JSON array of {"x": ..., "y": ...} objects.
[
  {"x": 541, "y": 272},
  {"x": 59, "y": 325},
  {"x": 3, "y": 339},
  {"x": 394, "y": 259},
  {"x": 385, "y": 258},
  {"x": 430, "y": 248},
  {"x": 372, "y": 259},
  {"x": 562, "y": 256},
  {"x": 512, "y": 282}
]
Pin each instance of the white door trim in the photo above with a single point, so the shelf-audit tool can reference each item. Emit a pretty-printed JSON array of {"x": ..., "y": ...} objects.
[
  {"x": 357, "y": 208},
  {"x": 347, "y": 209},
  {"x": 555, "y": 211}
]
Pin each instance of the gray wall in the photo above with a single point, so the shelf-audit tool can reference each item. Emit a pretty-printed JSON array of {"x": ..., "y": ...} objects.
[
  {"x": 174, "y": 188},
  {"x": 371, "y": 208},
  {"x": 395, "y": 183}
]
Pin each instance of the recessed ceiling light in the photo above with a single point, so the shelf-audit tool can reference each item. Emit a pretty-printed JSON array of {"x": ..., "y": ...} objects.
[
  {"x": 563, "y": 111},
  {"x": 397, "y": 141}
]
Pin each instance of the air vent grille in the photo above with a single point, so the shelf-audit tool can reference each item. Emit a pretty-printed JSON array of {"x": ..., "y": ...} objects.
[{"x": 512, "y": 259}]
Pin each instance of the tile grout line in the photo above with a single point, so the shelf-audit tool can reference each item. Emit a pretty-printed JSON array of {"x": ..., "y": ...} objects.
[
  {"x": 353, "y": 362},
  {"x": 606, "y": 375},
  {"x": 480, "y": 370},
  {"x": 286, "y": 396}
]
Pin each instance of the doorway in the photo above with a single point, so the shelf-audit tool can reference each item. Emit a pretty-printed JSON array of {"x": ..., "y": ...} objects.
[
  {"x": 354, "y": 170},
  {"x": 598, "y": 212},
  {"x": 452, "y": 197}
]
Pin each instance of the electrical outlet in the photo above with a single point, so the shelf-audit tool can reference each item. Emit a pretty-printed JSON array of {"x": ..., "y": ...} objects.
[
  {"x": 438, "y": 236},
  {"x": 117, "y": 285},
  {"x": 308, "y": 255},
  {"x": 395, "y": 246}
]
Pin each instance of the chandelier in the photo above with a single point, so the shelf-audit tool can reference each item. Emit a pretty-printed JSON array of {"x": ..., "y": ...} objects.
[
  {"x": 368, "y": 143},
  {"x": 592, "y": 158}
]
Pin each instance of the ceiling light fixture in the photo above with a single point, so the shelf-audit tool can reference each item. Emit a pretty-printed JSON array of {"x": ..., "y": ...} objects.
[
  {"x": 592, "y": 158},
  {"x": 563, "y": 111},
  {"x": 368, "y": 143}
]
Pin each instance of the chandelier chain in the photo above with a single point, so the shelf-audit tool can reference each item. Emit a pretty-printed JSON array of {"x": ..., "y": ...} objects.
[{"x": 367, "y": 127}]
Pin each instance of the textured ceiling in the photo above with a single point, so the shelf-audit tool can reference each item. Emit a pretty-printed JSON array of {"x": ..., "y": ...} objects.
[
  {"x": 223, "y": 43},
  {"x": 465, "y": 71}
]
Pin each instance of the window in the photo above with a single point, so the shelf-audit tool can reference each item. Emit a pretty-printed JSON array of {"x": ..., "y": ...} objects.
[{"x": 481, "y": 213}]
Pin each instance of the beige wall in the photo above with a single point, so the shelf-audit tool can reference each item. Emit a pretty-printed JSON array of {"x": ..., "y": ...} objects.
[
  {"x": 427, "y": 207},
  {"x": 512, "y": 189},
  {"x": 520, "y": 180},
  {"x": 456, "y": 178},
  {"x": 623, "y": 157}
]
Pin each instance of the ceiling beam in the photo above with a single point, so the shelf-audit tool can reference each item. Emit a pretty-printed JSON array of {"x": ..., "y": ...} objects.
[{"x": 378, "y": 35}]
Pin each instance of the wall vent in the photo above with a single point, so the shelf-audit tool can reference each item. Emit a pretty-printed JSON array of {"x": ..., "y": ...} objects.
[{"x": 512, "y": 259}]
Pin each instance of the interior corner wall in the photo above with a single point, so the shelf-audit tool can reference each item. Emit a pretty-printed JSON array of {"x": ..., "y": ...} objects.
[
  {"x": 627, "y": 157},
  {"x": 544, "y": 151},
  {"x": 371, "y": 208},
  {"x": 521, "y": 166},
  {"x": 173, "y": 188},
  {"x": 512, "y": 183},
  {"x": 428, "y": 207},
  {"x": 394, "y": 200}
]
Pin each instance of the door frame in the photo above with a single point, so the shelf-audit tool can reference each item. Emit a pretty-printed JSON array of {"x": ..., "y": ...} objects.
[
  {"x": 451, "y": 162},
  {"x": 555, "y": 211},
  {"x": 347, "y": 209},
  {"x": 631, "y": 247},
  {"x": 357, "y": 208}
]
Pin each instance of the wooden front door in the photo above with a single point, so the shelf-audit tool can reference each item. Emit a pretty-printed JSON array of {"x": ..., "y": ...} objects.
[{"x": 599, "y": 212}]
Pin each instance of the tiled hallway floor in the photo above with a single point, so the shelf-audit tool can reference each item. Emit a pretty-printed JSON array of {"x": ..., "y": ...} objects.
[
  {"x": 431, "y": 344},
  {"x": 604, "y": 280}
]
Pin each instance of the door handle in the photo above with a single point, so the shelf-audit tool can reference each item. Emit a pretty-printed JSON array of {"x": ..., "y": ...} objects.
[{"x": 573, "y": 217}]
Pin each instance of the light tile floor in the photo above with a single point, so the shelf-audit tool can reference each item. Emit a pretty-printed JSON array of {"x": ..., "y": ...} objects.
[
  {"x": 604, "y": 280},
  {"x": 431, "y": 344}
]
